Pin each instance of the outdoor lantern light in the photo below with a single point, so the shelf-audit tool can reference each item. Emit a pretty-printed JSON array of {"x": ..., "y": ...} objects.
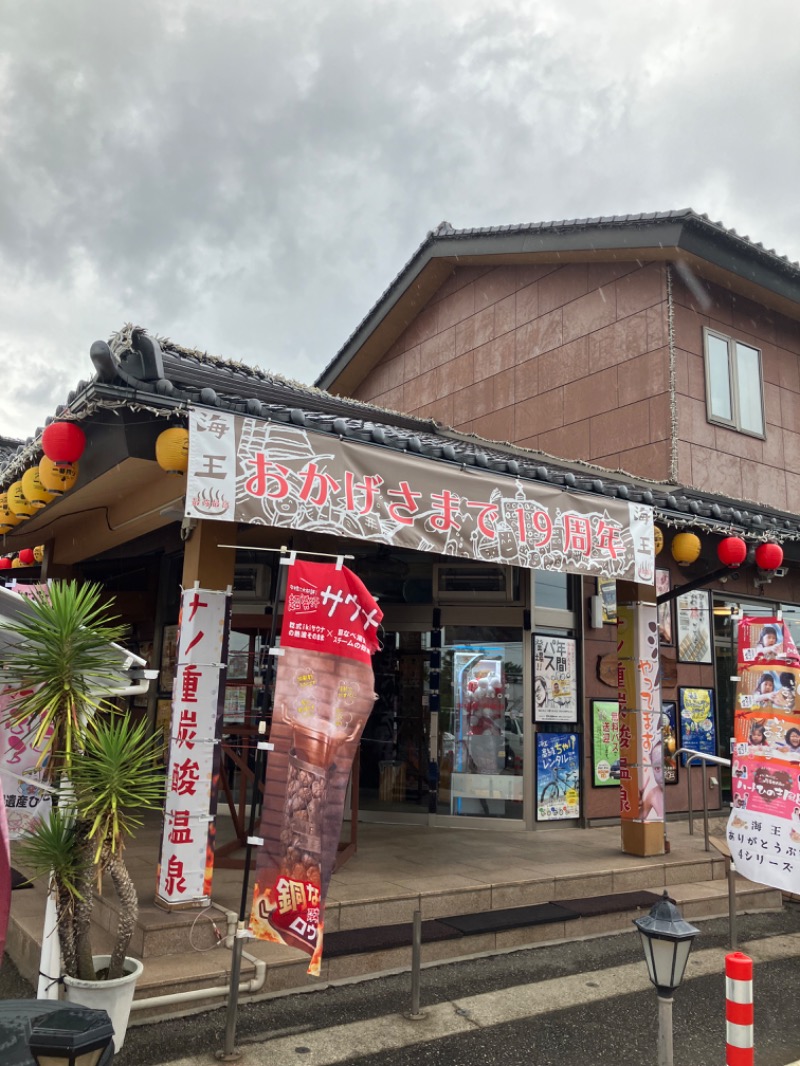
[
  {"x": 172, "y": 450},
  {"x": 63, "y": 443},
  {"x": 16, "y": 563},
  {"x": 732, "y": 551},
  {"x": 658, "y": 539},
  {"x": 5, "y": 562},
  {"x": 34, "y": 490},
  {"x": 667, "y": 940},
  {"x": 769, "y": 556},
  {"x": 7, "y": 517},
  {"x": 56, "y": 478},
  {"x": 74, "y": 1036},
  {"x": 26, "y": 557},
  {"x": 685, "y": 548},
  {"x": 18, "y": 502}
]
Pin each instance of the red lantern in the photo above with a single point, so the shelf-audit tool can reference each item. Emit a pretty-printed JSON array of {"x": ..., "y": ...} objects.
[
  {"x": 732, "y": 551},
  {"x": 5, "y": 562},
  {"x": 769, "y": 556},
  {"x": 26, "y": 557},
  {"x": 63, "y": 443}
]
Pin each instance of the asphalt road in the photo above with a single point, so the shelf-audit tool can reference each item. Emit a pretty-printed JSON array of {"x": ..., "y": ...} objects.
[{"x": 527, "y": 1007}]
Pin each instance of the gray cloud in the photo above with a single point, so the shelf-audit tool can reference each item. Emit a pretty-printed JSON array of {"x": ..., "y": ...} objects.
[{"x": 249, "y": 177}]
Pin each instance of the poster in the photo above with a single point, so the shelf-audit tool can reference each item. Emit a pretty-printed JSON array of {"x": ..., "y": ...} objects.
[
  {"x": 26, "y": 803},
  {"x": 694, "y": 627},
  {"x": 324, "y": 692},
  {"x": 557, "y": 777},
  {"x": 555, "y": 684},
  {"x": 768, "y": 685},
  {"x": 669, "y": 729},
  {"x": 762, "y": 640},
  {"x": 169, "y": 649},
  {"x": 664, "y": 610},
  {"x": 605, "y": 743},
  {"x": 186, "y": 861},
  {"x": 607, "y": 591},
  {"x": 698, "y": 730}
]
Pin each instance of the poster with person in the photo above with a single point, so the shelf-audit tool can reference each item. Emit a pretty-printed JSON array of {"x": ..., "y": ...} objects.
[
  {"x": 763, "y": 640},
  {"x": 772, "y": 685}
]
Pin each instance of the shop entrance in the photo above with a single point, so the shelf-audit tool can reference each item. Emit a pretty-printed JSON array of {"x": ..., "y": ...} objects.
[{"x": 445, "y": 739}]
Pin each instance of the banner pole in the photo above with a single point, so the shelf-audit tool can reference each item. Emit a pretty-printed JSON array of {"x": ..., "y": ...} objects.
[{"x": 229, "y": 1052}]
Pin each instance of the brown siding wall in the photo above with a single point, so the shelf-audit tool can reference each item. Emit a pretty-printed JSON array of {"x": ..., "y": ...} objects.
[
  {"x": 571, "y": 360},
  {"x": 718, "y": 459}
]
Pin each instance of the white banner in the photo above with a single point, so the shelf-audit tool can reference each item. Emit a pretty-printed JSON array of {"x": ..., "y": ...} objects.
[
  {"x": 187, "y": 856},
  {"x": 25, "y": 801}
]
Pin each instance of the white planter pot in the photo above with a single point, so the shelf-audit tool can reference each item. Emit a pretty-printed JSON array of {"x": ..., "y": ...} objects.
[{"x": 112, "y": 996}]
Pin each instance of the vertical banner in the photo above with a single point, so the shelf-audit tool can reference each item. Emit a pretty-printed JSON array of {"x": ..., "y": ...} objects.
[
  {"x": 764, "y": 824},
  {"x": 25, "y": 802},
  {"x": 640, "y": 728},
  {"x": 324, "y": 692},
  {"x": 186, "y": 862}
]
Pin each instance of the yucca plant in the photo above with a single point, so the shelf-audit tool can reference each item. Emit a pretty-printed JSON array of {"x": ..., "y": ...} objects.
[{"x": 105, "y": 767}]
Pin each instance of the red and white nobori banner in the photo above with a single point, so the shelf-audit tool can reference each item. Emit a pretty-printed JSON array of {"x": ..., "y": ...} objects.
[
  {"x": 324, "y": 692},
  {"x": 269, "y": 473},
  {"x": 186, "y": 862},
  {"x": 26, "y": 803},
  {"x": 764, "y": 825}
]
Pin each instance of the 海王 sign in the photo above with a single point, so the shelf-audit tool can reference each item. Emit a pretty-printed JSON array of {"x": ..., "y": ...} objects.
[{"x": 268, "y": 473}]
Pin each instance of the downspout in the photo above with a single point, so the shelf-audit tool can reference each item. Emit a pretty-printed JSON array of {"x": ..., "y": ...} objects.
[
  {"x": 255, "y": 984},
  {"x": 673, "y": 400}
]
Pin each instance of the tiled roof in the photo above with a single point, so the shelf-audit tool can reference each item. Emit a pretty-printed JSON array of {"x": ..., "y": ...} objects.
[{"x": 141, "y": 371}]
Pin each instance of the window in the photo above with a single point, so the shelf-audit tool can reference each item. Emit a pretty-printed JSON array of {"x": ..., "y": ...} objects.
[{"x": 733, "y": 384}]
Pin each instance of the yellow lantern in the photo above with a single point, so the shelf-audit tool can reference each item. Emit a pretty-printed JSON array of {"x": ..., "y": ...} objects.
[
  {"x": 38, "y": 553},
  {"x": 172, "y": 450},
  {"x": 16, "y": 562},
  {"x": 18, "y": 501},
  {"x": 57, "y": 479},
  {"x": 658, "y": 539},
  {"x": 34, "y": 490},
  {"x": 7, "y": 517},
  {"x": 685, "y": 548}
]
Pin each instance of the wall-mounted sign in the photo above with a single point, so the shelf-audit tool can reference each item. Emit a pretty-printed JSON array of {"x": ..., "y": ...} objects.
[
  {"x": 558, "y": 793},
  {"x": 273, "y": 474},
  {"x": 694, "y": 627},
  {"x": 555, "y": 685},
  {"x": 605, "y": 743},
  {"x": 698, "y": 730}
]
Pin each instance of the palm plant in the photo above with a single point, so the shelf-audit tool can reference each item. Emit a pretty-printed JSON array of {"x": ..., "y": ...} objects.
[{"x": 105, "y": 767}]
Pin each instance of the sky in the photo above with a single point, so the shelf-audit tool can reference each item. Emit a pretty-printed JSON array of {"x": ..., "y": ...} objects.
[{"x": 248, "y": 176}]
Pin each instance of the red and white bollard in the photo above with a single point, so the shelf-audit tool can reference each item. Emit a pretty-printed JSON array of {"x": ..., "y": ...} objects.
[{"x": 739, "y": 1009}]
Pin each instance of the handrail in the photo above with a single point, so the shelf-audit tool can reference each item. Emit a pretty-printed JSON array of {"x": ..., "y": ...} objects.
[{"x": 717, "y": 760}]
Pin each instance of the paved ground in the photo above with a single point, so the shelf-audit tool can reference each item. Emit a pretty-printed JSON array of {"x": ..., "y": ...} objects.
[{"x": 583, "y": 1002}]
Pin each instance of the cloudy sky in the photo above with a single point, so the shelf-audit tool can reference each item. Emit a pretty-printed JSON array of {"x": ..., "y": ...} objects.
[{"x": 247, "y": 176}]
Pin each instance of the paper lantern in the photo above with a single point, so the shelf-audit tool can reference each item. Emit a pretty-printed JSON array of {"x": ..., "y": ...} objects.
[
  {"x": 685, "y": 548},
  {"x": 172, "y": 450},
  {"x": 18, "y": 502},
  {"x": 57, "y": 479},
  {"x": 5, "y": 562},
  {"x": 63, "y": 442},
  {"x": 26, "y": 557},
  {"x": 7, "y": 517},
  {"x": 732, "y": 551},
  {"x": 38, "y": 553},
  {"x": 16, "y": 563},
  {"x": 769, "y": 556},
  {"x": 658, "y": 539},
  {"x": 34, "y": 490}
]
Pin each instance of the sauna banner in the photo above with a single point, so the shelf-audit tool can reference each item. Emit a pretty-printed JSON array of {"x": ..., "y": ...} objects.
[
  {"x": 272, "y": 474},
  {"x": 324, "y": 692}
]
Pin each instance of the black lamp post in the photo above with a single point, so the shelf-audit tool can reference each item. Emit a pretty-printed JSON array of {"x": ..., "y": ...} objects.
[
  {"x": 666, "y": 940},
  {"x": 72, "y": 1036}
]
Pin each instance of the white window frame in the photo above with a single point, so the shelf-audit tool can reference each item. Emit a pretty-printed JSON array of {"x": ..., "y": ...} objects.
[{"x": 733, "y": 383}]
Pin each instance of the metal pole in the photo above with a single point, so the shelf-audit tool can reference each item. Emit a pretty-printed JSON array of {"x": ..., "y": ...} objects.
[
  {"x": 416, "y": 959},
  {"x": 665, "y": 1031},
  {"x": 705, "y": 807},
  {"x": 689, "y": 791},
  {"x": 732, "y": 906}
]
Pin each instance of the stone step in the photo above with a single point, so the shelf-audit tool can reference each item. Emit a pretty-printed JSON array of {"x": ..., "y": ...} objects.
[{"x": 286, "y": 970}]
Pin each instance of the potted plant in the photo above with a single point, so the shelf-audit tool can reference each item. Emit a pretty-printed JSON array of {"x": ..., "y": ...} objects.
[{"x": 105, "y": 767}]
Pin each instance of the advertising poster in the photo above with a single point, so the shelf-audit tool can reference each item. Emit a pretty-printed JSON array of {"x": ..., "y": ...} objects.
[
  {"x": 664, "y": 610},
  {"x": 605, "y": 743},
  {"x": 186, "y": 862},
  {"x": 324, "y": 692},
  {"x": 768, "y": 686},
  {"x": 555, "y": 684},
  {"x": 698, "y": 731},
  {"x": 669, "y": 729},
  {"x": 762, "y": 640},
  {"x": 607, "y": 591},
  {"x": 25, "y": 802},
  {"x": 694, "y": 627},
  {"x": 557, "y": 777}
]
